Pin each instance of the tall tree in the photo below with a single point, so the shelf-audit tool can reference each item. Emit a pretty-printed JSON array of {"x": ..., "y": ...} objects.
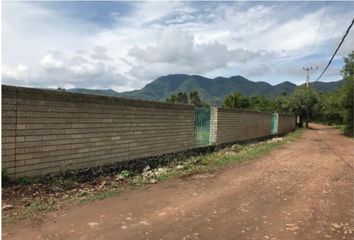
[
  {"x": 282, "y": 104},
  {"x": 303, "y": 102},
  {"x": 182, "y": 97},
  {"x": 346, "y": 99},
  {"x": 261, "y": 104},
  {"x": 329, "y": 108},
  {"x": 195, "y": 99},
  {"x": 237, "y": 100}
]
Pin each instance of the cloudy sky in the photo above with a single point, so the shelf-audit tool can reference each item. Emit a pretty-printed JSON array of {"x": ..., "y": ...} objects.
[{"x": 125, "y": 45}]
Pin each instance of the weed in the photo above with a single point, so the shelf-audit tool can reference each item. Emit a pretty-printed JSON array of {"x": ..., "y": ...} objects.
[
  {"x": 5, "y": 176},
  {"x": 216, "y": 160},
  {"x": 38, "y": 205},
  {"x": 24, "y": 181},
  {"x": 125, "y": 173}
]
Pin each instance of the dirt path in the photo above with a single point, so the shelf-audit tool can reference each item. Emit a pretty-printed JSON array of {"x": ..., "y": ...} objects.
[{"x": 301, "y": 191}]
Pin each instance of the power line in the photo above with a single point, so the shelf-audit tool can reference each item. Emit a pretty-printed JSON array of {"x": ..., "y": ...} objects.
[
  {"x": 335, "y": 52},
  {"x": 341, "y": 19},
  {"x": 319, "y": 28}
]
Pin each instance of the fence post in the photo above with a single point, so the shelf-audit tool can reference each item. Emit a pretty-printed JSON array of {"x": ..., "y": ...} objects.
[{"x": 213, "y": 125}]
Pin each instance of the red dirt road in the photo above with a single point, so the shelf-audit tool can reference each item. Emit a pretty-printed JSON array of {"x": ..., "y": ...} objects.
[{"x": 303, "y": 190}]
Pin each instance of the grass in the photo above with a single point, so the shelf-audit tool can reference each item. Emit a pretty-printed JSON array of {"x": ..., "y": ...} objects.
[
  {"x": 42, "y": 205},
  {"x": 37, "y": 207},
  {"x": 193, "y": 165},
  {"x": 99, "y": 196},
  {"x": 214, "y": 161}
]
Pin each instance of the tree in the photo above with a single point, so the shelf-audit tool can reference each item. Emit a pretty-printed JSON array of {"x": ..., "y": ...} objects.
[
  {"x": 346, "y": 99},
  {"x": 261, "y": 104},
  {"x": 237, "y": 100},
  {"x": 172, "y": 99},
  {"x": 329, "y": 108},
  {"x": 194, "y": 99},
  {"x": 61, "y": 89},
  {"x": 282, "y": 104},
  {"x": 303, "y": 102},
  {"x": 182, "y": 97}
]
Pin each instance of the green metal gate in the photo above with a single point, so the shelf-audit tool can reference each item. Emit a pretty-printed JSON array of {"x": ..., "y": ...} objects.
[
  {"x": 202, "y": 125},
  {"x": 275, "y": 118}
]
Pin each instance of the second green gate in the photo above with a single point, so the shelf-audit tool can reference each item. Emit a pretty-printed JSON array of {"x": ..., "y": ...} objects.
[{"x": 275, "y": 118}]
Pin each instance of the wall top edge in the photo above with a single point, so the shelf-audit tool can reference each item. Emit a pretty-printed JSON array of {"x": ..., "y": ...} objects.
[{"x": 54, "y": 95}]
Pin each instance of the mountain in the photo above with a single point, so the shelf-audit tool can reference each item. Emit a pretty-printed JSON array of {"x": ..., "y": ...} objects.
[
  {"x": 326, "y": 86},
  {"x": 211, "y": 90},
  {"x": 105, "y": 92}
]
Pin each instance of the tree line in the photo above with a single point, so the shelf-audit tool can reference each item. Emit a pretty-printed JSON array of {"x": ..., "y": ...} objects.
[
  {"x": 183, "y": 97},
  {"x": 333, "y": 108}
]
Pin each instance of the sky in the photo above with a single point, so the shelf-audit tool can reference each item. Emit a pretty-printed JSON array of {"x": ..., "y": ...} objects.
[{"x": 126, "y": 45}]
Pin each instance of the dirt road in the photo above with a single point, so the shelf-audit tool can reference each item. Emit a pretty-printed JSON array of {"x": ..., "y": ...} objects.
[{"x": 303, "y": 190}]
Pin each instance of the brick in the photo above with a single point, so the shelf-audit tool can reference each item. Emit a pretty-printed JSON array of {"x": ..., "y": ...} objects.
[
  {"x": 55, "y": 130},
  {"x": 24, "y": 156}
]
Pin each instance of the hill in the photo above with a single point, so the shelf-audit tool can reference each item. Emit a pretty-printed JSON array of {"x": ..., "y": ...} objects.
[{"x": 212, "y": 90}]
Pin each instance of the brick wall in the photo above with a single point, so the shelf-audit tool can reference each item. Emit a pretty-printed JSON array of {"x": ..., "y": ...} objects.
[
  {"x": 236, "y": 125},
  {"x": 287, "y": 123},
  {"x": 48, "y": 131}
]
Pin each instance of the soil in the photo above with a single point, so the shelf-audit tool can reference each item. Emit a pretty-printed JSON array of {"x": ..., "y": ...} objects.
[{"x": 303, "y": 190}]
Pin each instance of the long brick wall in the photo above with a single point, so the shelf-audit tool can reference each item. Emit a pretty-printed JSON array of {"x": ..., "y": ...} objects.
[
  {"x": 47, "y": 131},
  {"x": 231, "y": 125},
  {"x": 287, "y": 123}
]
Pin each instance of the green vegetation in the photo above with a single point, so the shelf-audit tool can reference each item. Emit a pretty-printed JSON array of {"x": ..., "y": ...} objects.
[
  {"x": 334, "y": 108},
  {"x": 124, "y": 174},
  {"x": 195, "y": 99},
  {"x": 303, "y": 103},
  {"x": 346, "y": 99},
  {"x": 225, "y": 157},
  {"x": 237, "y": 100},
  {"x": 38, "y": 205},
  {"x": 25, "y": 181},
  {"x": 5, "y": 176},
  {"x": 183, "y": 97}
]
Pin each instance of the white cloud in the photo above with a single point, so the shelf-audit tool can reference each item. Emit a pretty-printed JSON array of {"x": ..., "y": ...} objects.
[
  {"x": 16, "y": 74},
  {"x": 176, "y": 51},
  {"x": 52, "y": 61},
  {"x": 43, "y": 48}
]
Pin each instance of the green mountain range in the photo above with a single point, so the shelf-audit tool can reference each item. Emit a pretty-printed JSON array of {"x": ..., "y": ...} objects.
[{"x": 211, "y": 90}]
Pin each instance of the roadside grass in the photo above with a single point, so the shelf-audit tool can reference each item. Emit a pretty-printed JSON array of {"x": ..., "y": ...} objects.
[
  {"x": 226, "y": 157},
  {"x": 340, "y": 127},
  {"x": 114, "y": 186},
  {"x": 99, "y": 196},
  {"x": 42, "y": 205}
]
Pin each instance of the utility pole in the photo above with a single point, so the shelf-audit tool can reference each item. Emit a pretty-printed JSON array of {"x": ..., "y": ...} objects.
[{"x": 308, "y": 70}]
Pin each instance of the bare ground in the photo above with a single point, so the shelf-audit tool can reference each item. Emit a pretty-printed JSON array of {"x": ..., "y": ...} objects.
[{"x": 303, "y": 190}]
